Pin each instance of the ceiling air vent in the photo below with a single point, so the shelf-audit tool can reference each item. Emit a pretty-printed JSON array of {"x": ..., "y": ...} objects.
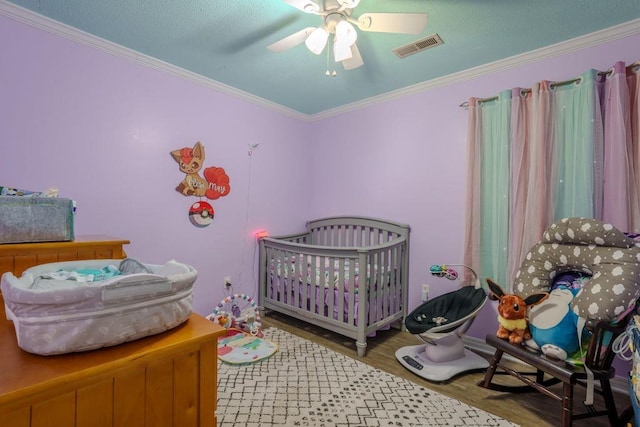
[{"x": 417, "y": 46}]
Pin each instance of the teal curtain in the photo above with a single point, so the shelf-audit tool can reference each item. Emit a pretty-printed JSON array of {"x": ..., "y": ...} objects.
[
  {"x": 574, "y": 150},
  {"x": 494, "y": 186}
]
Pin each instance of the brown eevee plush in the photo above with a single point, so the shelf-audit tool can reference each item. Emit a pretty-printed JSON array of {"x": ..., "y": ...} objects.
[{"x": 512, "y": 313}]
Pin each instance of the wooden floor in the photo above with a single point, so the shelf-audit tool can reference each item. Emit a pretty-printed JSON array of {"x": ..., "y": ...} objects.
[{"x": 526, "y": 409}]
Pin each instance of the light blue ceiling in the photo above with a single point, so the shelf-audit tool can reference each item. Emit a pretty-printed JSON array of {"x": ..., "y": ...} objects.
[{"x": 226, "y": 40}]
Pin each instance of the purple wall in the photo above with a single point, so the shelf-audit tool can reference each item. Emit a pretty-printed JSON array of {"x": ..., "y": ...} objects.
[{"x": 100, "y": 128}]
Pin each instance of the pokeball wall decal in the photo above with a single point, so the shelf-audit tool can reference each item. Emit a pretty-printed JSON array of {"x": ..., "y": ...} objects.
[{"x": 201, "y": 214}]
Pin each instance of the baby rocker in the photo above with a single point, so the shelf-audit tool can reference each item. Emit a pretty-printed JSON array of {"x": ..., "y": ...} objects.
[{"x": 441, "y": 323}]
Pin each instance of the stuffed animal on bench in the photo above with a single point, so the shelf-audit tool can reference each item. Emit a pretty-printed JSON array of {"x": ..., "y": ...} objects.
[
  {"x": 553, "y": 325},
  {"x": 512, "y": 313}
]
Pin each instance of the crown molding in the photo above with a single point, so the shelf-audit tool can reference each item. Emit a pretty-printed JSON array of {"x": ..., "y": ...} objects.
[
  {"x": 54, "y": 27},
  {"x": 57, "y": 28},
  {"x": 593, "y": 39}
]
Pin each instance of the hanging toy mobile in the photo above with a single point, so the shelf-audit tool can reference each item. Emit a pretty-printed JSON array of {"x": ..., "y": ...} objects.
[{"x": 238, "y": 311}]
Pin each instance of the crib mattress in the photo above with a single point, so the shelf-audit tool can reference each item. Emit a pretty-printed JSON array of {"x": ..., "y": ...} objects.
[{"x": 52, "y": 315}]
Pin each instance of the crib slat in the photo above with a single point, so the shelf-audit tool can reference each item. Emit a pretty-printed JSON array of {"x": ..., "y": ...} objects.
[
  {"x": 394, "y": 286},
  {"x": 328, "y": 291},
  {"x": 339, "y": 294},
  {"x": 351, "y": 304},
  {"x": 304, "y": 280},
  {"x": 375, "y": 306},
  {"x": 289, "y": 290},
  {"x": 363, "y": 295},
  {"x": 279, "y": 289},
  {"x": 382, "y": 287},
  {"x": 309, "y": 290},
  {"x": 371, "y": 292},
  {"x": 324, "y": 285}
]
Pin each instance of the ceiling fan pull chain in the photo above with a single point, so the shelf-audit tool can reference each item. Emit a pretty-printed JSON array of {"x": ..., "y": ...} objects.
[{"x": 328, "y": 73}]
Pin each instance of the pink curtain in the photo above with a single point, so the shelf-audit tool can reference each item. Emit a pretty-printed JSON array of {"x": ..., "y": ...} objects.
[
  {"x": 613, "y": 132},
  {"x": 633, "y": 83},
  {"x": 531, "y": 152},
  {"x": 620, "y": 190},
  {"x": 472, "y": 227}
]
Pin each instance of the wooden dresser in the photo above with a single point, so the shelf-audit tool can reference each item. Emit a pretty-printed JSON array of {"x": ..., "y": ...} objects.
[
  {"x": 17, "y": 257},
  {"x": 169, "y": 379}
]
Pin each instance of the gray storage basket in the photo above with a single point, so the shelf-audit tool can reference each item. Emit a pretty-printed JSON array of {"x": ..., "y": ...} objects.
[{"x": 35, "y": 219}]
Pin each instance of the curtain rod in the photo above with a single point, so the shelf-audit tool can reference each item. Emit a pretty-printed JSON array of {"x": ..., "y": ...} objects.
[{"x": 635, "y": 66}]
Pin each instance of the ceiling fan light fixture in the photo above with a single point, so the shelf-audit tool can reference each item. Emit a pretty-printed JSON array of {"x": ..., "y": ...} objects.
[
  {"x": 317, "y": 40},
  {"x": 341, "y": 51},
  {"x": 339, "y": 21},
  {"x": 346, "y": 33}
]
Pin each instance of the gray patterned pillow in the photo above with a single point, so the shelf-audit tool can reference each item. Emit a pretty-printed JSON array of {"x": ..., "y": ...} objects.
[
  {"x": 592, "y": 247},
  {"x": 581, "y": 231}
]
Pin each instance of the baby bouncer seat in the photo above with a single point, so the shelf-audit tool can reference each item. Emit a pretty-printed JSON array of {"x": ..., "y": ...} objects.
[{"x": 440, "y": 324}]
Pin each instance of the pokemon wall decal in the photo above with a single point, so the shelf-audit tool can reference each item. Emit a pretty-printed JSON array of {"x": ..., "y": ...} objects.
[
  {"x": 215, "y": 183},
  {"x": 212, "y": 184}
]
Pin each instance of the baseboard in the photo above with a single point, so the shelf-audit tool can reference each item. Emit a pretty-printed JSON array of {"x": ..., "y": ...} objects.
[{"x": 618, "y": 384}]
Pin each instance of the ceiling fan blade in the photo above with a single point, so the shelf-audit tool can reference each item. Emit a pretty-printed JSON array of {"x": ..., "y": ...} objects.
[
  {"x": 307, "y": 6},
  {"x": 406, "y": 23},
  {"x": 355, "y": 61},
  {"x": 291, "y": 41}
]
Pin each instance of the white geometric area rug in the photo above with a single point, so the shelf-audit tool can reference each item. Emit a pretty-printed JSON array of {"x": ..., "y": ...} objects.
[{"x": 306, "y": 384}]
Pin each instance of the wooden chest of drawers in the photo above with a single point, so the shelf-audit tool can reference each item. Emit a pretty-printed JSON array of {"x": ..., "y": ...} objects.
[
  {"x": 169, "y": 379},
  {"x": 17, "y": 257}
]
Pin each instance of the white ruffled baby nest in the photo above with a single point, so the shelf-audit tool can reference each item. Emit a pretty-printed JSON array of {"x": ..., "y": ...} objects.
[{"x": 75, "y": 306}]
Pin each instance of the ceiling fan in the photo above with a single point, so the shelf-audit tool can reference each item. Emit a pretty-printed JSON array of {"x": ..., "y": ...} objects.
[{"x": 338, "y": 21}]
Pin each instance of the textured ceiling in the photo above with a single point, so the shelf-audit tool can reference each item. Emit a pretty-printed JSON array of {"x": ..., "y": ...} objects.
[{"x": 226, "y": 40}]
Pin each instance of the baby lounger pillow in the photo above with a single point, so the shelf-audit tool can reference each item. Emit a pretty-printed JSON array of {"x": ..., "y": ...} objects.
[
  {"x": 75, "y": 306},
  {"x": 592, "y": 247}
]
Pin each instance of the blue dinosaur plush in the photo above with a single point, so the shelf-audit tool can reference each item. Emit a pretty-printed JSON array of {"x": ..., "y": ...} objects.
[{"x": 553, "y": 324}]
